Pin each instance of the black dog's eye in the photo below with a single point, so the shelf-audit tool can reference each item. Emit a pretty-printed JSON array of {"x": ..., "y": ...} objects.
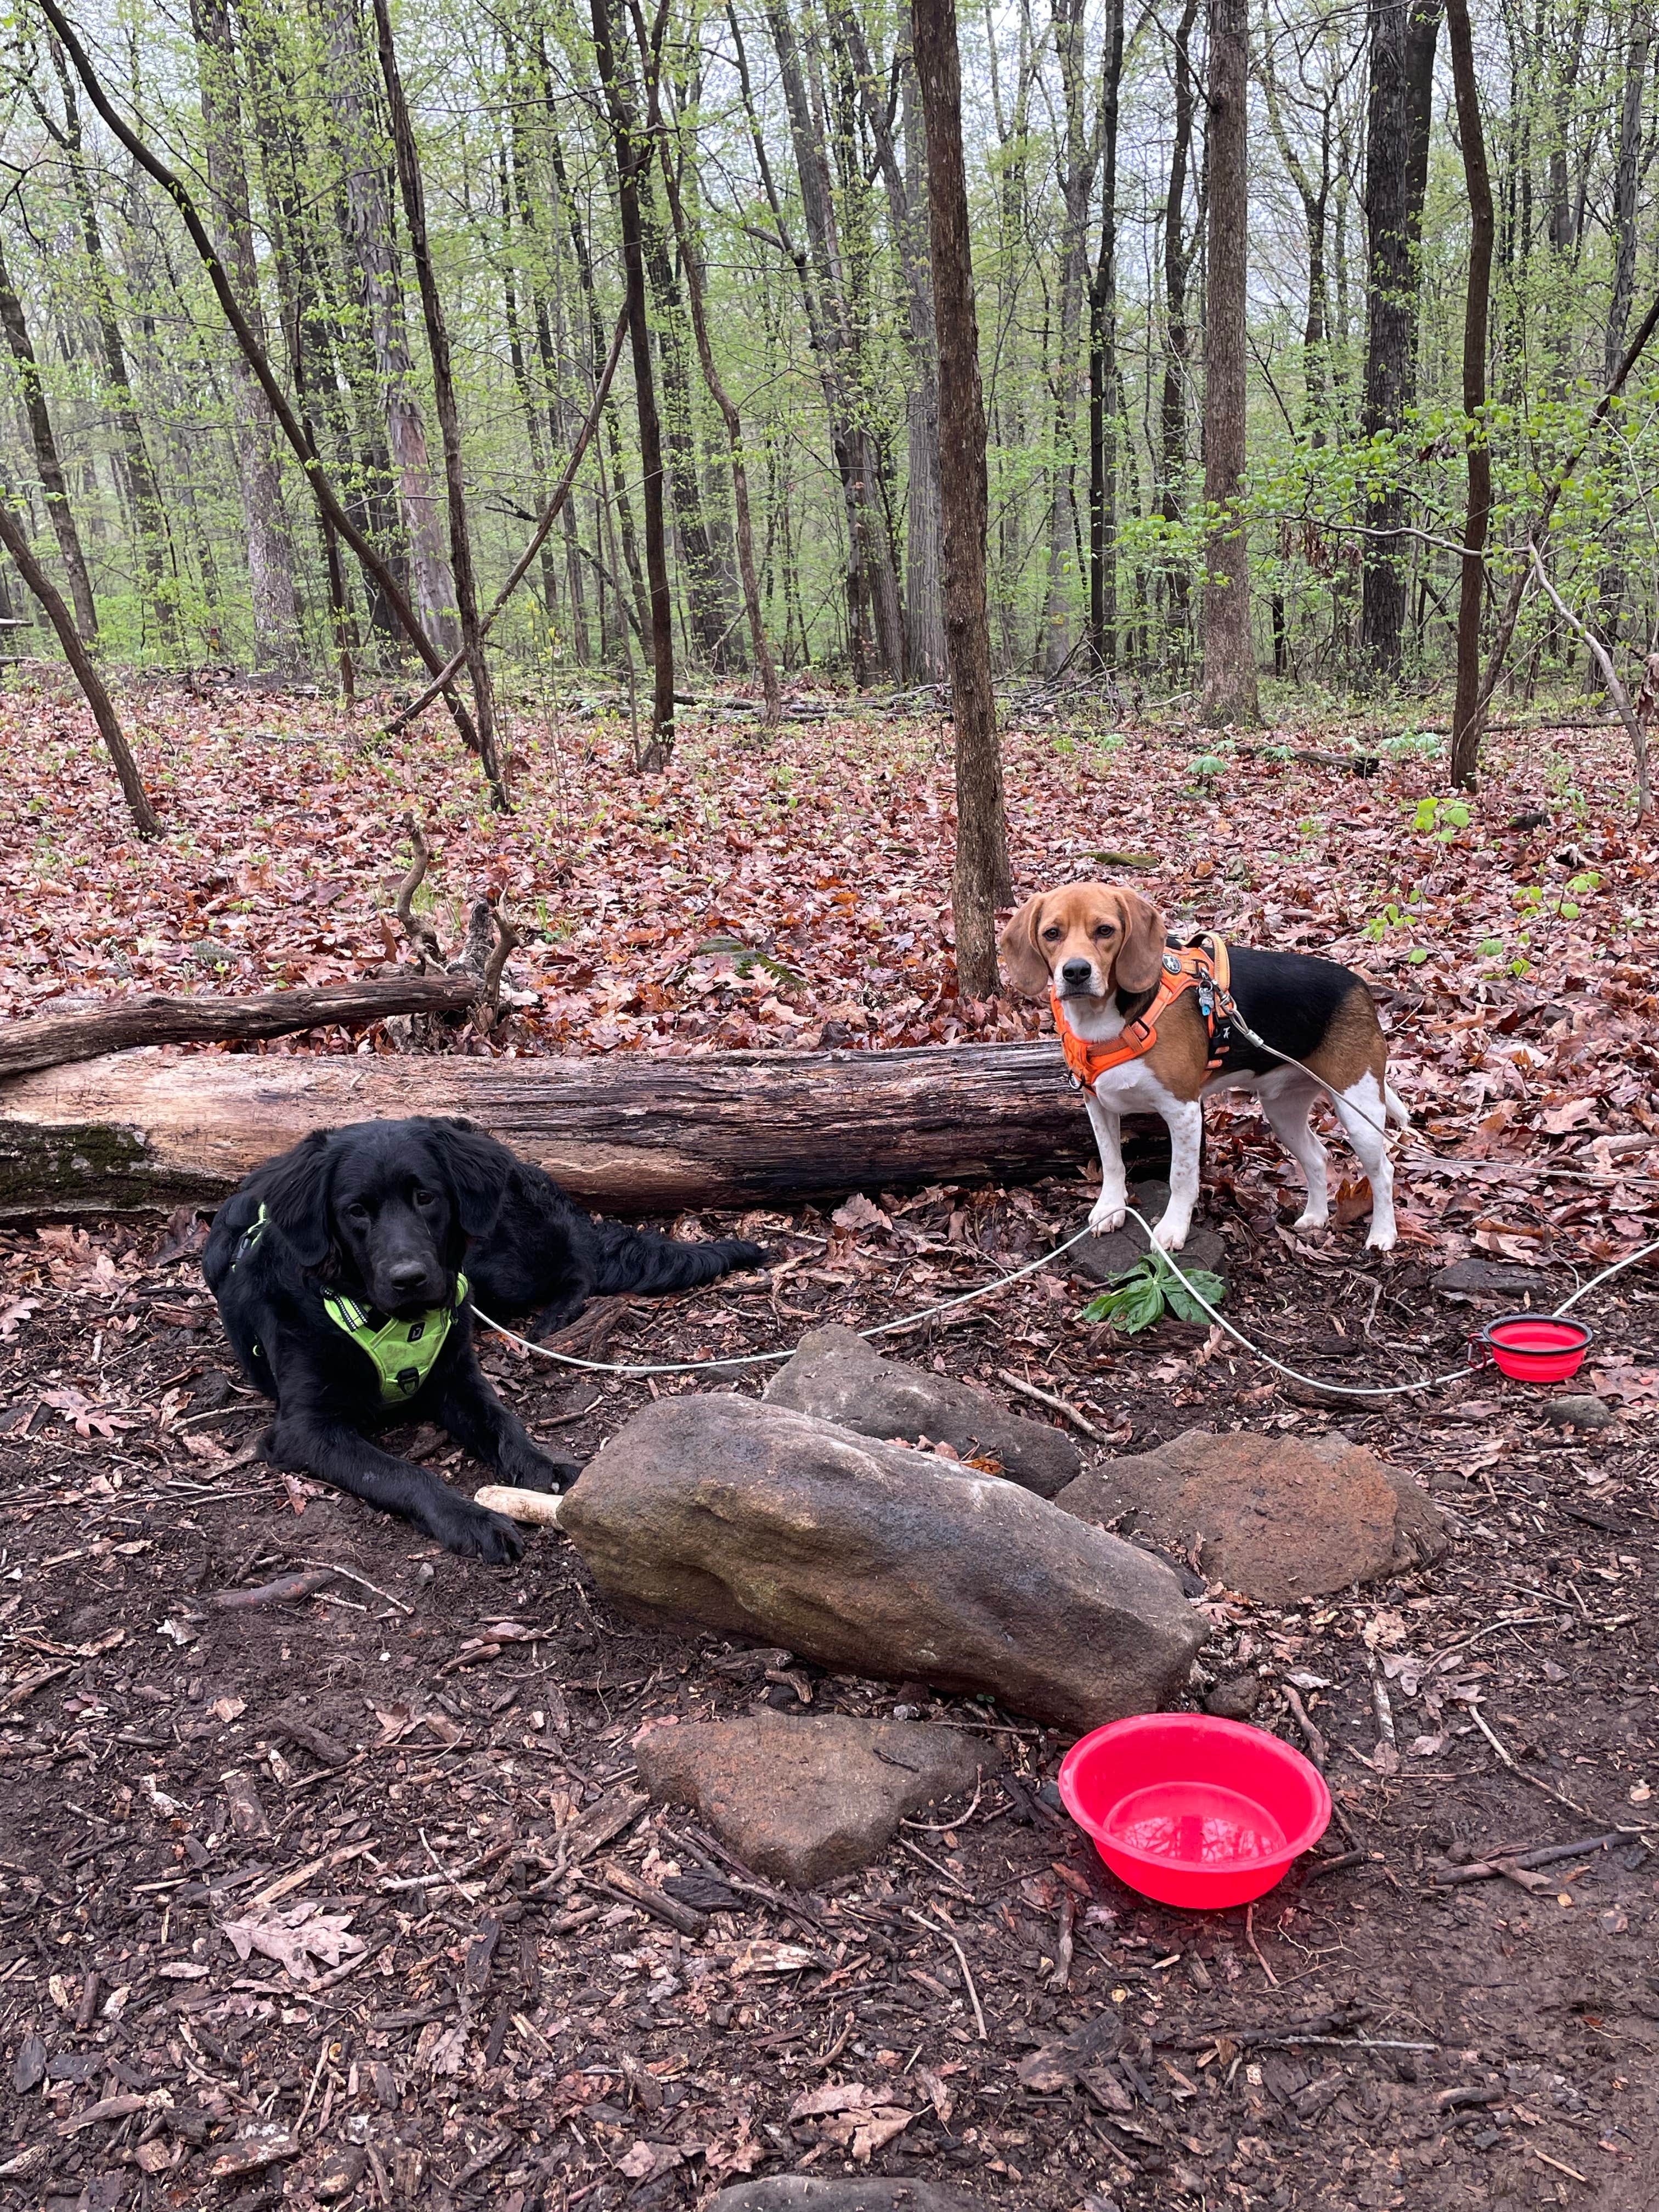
[
  {"x": 425, "y": 1198},
  {"x": 357, "y": 1211}
]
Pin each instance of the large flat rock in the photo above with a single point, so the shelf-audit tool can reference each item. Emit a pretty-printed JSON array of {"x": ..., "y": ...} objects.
[
  {"x": 836, "y": 1375},
  {"x": 802, "y": 1801},
  {"x": 1271, "y": 1516},
  {"x": 754, "y": 1521},
  {"x": 1103, "y": 1259}
]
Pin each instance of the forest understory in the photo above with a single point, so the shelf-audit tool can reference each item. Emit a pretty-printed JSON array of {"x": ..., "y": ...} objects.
[{"x": 386, "y": 1767}]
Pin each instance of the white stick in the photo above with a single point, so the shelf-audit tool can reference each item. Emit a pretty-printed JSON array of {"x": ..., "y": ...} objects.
[{"x": 536, "y": 1508}]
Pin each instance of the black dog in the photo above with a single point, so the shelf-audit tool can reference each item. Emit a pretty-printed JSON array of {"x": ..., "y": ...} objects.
[{"x": 337, "y": 1268}]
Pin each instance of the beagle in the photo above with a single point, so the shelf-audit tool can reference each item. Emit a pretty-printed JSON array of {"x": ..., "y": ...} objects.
[{"x": 1100, "y": 953}]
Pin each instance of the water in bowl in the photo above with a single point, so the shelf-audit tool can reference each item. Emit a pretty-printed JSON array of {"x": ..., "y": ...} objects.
[{"x": 1195, "y": 1823}]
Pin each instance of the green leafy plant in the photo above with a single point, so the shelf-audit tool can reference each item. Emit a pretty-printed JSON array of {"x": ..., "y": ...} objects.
[
  {"x": 1444, "y": 819},
  {"x": 745, "y": 958},
  {"x": 1145, "y": 1293}
]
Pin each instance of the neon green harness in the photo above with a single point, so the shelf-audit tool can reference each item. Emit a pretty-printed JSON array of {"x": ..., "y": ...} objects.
[{"x": 404, "y": 1353}]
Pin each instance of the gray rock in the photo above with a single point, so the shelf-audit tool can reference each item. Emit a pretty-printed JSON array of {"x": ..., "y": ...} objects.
[
  {"x": 1101, "y": 1258},
  {"x": 838, "y": 1376},
  {"x": 802, "y": 1801},
  {"x": 1273, "y": 1517},
  {"x": 1587, "y": 1412},
  {"x": 757, "y": 1521},
  {"x": 1235, "y": 1700},
  {"x": 805, "y": 2192},
  {"x": 1492, "y": 1278}
]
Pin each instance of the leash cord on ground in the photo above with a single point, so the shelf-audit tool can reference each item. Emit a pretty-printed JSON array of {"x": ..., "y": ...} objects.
[{"x": 1031, "y": 1266}]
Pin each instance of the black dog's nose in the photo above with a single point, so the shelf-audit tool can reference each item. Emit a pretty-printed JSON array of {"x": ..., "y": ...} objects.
[
  {"x": 1076, "y": 972},
  {"x": 407, "y": 1274}
]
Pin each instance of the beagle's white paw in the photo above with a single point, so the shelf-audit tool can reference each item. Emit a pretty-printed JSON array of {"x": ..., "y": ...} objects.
[
  {"x": 1309, "y": 1219},
  {"x": 1382, "y": 1239},
  {"x": 1170, "y": 1233},
  {"x": 1106, "y": 1215}
]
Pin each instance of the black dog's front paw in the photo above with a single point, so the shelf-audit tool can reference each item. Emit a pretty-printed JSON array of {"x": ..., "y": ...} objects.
[
  {"x": 475, "y": 1533},
  {"x": 544, "y": 1473}
]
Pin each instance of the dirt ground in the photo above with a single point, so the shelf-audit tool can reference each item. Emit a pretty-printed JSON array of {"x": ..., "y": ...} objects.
[{"x": 374, "y": 1778}]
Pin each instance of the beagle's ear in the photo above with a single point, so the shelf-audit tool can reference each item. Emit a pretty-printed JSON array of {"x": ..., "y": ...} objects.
[
  {"x": 1022, "y": 960},
  {"x": 296, "y": 1198},
  {"x": 1140, "y": 956}
]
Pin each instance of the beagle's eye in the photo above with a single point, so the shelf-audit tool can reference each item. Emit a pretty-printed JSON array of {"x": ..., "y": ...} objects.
[
  {"x": 1052, "y": 934},
  {"x": 1105, "y": 929}
]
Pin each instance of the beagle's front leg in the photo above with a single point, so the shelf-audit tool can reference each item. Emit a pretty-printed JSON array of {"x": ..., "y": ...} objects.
[
  {"x": 1108, "y": 1213},
  {"x": 1186, "y": 1122}
]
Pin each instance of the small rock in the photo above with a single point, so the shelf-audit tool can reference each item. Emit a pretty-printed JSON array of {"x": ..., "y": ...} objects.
[
  {"x": 1587, "y": 1412},
  {"x": 1235, "y": 1700},
  {"x": 1467, "y": 1278},
  {"x": 805, "y": 2192},
  {"x": 339, "y": 2175},
  {"x": 802, "y": 1801},
  {"x": 1275, "y": 1518},
  {"x": 836, "y": 1375},
  {"x": 1100, "y": 1258},
  {"x": 863, "y": 1556}
]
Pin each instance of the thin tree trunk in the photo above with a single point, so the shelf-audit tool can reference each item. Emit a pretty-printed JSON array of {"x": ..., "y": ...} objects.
[
  {"x": 1102, "y": 366},
  {"x": 1229, "y": 647},
  {"x": 982, "y": 879},
  {"x": 48, "y": 466},
  {"x": 631, "y": 155},
  {"x": 149, "y": 517},
  {"x": 16, "y": 541},
  {"x": 1466, "y": 735},
  {"x": 443, "y": 391},
  {"x": 691, "y": 264},
  {"x": 1403, "y": 33},
  {"x": 373, "y": 251},
  {"x": 277, "y": 640},
  {"x": 1077, "y": 176},
  {"x": 1172, "y": 412},
  {"x": 1626, "y": 179}
]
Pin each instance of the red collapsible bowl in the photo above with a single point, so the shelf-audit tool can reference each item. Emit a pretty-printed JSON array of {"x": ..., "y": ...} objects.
[
  {"x": 1536, "y": 1347},
  {"x": 1191, "y": 1810}
]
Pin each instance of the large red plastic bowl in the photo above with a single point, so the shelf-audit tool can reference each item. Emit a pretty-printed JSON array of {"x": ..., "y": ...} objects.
[
  {"x": 1194, "y": 1811},
  {"x": 1536, "y": 1347}
]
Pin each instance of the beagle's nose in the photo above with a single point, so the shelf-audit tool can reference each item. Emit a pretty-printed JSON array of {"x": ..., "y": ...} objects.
[{"x": 1076, "y": 974}]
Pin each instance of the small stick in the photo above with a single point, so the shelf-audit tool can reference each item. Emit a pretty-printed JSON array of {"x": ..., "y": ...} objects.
[
  {"x": 1249, "y": 1938},
  {"x": 87, "y": 2009},
  {"x": 364, "y": 1582},
  {"x": 535, "y": 1509},
  {"x": 1384, "y": 1707},
  {"x": 1335, "y": 1865},
  {"x": 1546, "y": 1855},
  {"x": 1062, "y": 1976},
  {"x": 1057, "y": 1404},
  {"x": 962, "y": 1961},
  {"x": 276, "y": 1593},
  {"x": 615, "y": 1882},
  {"x": 1319, "y": 1750},
  {"x": 1560, "y": 2167}
]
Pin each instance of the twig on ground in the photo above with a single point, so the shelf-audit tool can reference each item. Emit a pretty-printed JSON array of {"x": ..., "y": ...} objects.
[
  {"x": 1452, "y": 1877},
  {"x": 279, "y": 1592},
  {"x": 1383, "y": 1706},
  {"x": 1520, "y": 1772},
  {"x": 1249, "y": 1938},
  {"x": 1054, "y": 1402},
  {"x": 364, "y": 1582},
  {"x": 1318, "y": 1749},
  {"x": 922, "y": 1921}
]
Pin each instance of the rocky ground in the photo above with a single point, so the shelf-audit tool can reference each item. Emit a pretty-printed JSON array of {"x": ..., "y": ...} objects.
[{"x": 355, "y": 1897}]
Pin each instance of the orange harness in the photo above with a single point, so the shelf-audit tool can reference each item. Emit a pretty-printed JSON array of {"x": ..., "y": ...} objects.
[{"x": 1202, "y": 967}]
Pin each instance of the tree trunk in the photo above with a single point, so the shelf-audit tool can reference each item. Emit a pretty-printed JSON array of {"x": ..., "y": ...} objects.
[
  {"x": 1076, "y": 168},
  {"x": 1102, "y": 366},
  {"x": 277, "y": 640},
  {"x": 373, "y": 254},
  {"x": 1465, "y": 734},
  {"x": 631, "y": 1133},
  {"x": 443, "y": 390},
  {"x": 1626, "y": 179},
  {"x": 49, "y": 468},
  {"x": 16, "y": 541},
  {"x": 1229, "y": 648},
  {"x": 1403, "y": 33},
  {"x": 148, "y": 516},
  {"x": 1172, "y": 411},
  {"x": 982, "y": 879},
  {"x": 872, "y": 582},
  {"x": 154, "y": 1018},
  {"x": 632, "y": 153}
]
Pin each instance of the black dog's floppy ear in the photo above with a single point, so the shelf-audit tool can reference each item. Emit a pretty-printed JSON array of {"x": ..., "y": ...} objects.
[
  {"x": 296, "y": 1198},
  {"x": 478, "y": 1169}
]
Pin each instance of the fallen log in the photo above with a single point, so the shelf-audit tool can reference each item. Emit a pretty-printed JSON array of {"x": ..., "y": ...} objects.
[
  {"x": 628, "y": 1132},
  {"x": 57, "y": 1040}
]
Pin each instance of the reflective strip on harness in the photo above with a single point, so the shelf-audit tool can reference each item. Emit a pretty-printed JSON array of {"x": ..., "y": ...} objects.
[
  {"x": 404, "y": 1353},
  {"x": 1203, "y": 967}
]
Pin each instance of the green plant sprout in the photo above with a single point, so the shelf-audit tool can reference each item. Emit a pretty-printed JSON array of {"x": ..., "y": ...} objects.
[{"x": 1143, "y": 1293}]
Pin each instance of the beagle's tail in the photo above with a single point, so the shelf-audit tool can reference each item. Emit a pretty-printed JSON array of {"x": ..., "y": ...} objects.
[{"x": 1394, "y": 1108}]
